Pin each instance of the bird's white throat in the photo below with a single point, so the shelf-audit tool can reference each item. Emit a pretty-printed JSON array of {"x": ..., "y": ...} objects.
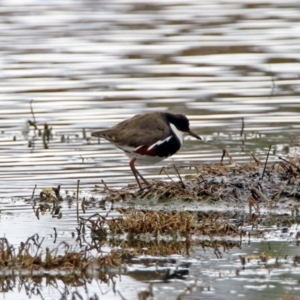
[{"x": 178, "y": 133}]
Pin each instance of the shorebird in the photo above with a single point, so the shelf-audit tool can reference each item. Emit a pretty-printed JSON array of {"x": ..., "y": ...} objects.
[{"x": 148, "y": 138}]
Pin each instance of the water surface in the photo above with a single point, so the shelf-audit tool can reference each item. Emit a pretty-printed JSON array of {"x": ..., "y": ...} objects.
[{"x": 87, "y": 65}]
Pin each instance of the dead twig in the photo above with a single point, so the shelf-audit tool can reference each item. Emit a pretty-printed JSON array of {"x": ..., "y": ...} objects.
[
  {"x": 298, "y": 169},
  {"x": 262, "y": 176},
  {"x": 243, "y": 127}
]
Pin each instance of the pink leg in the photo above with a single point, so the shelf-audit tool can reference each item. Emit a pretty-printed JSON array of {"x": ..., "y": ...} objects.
[{"x": 136, "y": 173}]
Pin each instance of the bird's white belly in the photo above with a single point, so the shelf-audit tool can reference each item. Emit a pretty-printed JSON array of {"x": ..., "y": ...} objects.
[{"x": 145, "y": 159}]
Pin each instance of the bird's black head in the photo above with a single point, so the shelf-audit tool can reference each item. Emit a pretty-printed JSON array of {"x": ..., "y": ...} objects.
[{"x": 182, "y": 123}]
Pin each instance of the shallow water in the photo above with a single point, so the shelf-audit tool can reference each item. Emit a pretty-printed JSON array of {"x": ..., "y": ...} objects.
[{"x": 87, "y": 65}]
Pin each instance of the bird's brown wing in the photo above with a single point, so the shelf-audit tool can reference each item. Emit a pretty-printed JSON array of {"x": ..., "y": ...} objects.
[{"x": 140, "y": 130}]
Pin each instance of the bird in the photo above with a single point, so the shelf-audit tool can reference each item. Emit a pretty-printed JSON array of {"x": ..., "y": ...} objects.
[{"x": 148, "y": 138}]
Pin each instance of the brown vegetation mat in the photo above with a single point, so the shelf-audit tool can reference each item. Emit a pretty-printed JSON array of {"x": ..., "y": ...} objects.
[
  {"x": 157, "y": 223},
  {"x": 159, "y": 233},
  {"x": 253, "y": 182}
]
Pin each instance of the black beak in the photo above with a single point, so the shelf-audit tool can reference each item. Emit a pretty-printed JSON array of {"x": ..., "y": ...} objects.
[{"x": 194, "y": 135}]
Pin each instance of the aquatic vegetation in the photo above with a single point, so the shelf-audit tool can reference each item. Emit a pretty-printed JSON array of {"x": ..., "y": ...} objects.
[
  {"x": 149, "y": 235},
  {"x": 30, "y": 255},
  {"x": 250, "y": 183}
]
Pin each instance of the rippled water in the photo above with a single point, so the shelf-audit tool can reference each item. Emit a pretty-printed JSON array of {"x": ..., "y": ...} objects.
[
  {"x": 90, "y": 64},
  {"x": 87, "y": 65}
]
